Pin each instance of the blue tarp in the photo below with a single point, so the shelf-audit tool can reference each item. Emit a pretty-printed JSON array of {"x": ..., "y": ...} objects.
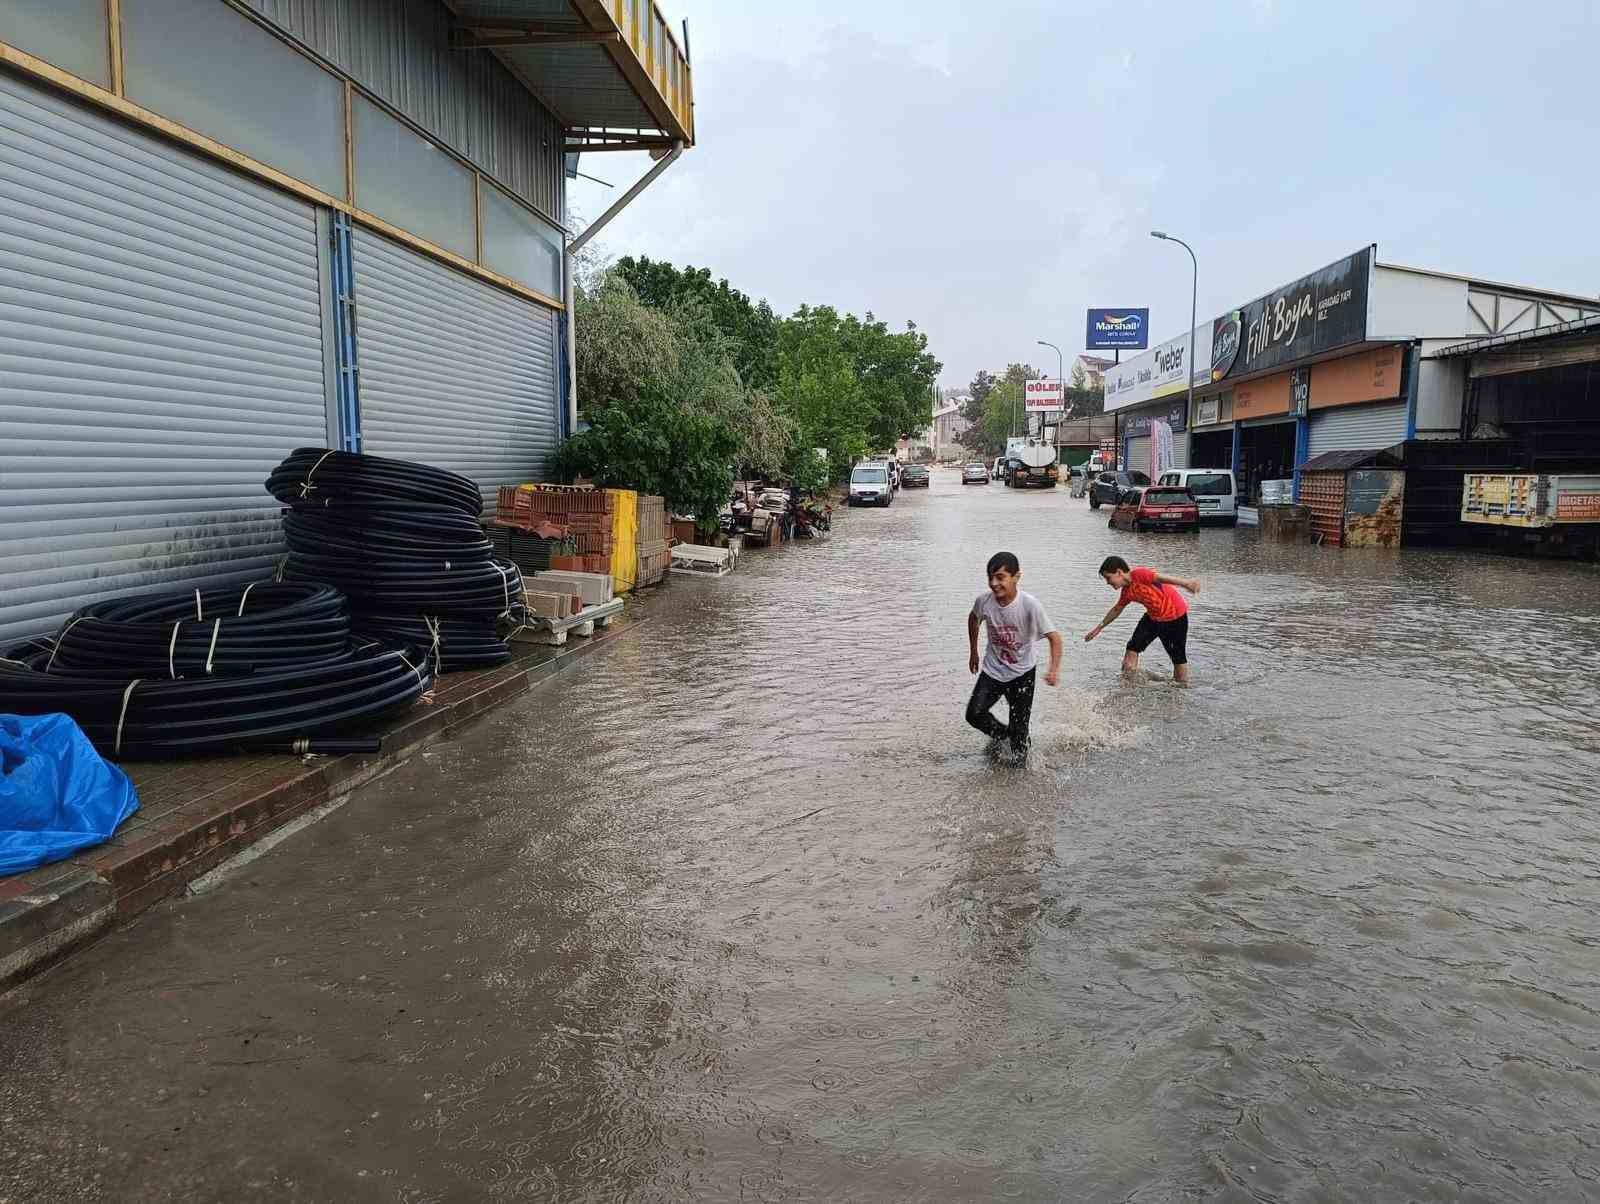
[{"x": 57, "y": 795}]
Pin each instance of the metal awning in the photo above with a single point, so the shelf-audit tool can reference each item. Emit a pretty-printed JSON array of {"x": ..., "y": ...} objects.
[
  {"x": 1343, "y": 461},
  {"x": 610, "y": 70},
  {"x": 1495, "y": 342}
]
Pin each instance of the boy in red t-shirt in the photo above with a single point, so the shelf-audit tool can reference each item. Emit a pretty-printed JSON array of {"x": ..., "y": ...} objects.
[{"x": 1166, "y": 614}]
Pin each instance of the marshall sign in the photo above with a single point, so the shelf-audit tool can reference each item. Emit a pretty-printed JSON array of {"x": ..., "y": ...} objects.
[{"x": 1316, "y": 313}]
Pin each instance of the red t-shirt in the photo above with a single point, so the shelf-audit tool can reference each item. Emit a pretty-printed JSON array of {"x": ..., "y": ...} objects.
[{"x": 1162, "y": 603}]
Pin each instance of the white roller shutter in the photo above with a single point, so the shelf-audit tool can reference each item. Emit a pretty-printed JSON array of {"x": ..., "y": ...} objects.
[
  {"x": 1358, "y": 428},
  {"x": 1180, "y": 449},
  {"x": 160, "y": 350},
  {"x": 1138, "y": 455},
  {"x": 454, "y": 372}
]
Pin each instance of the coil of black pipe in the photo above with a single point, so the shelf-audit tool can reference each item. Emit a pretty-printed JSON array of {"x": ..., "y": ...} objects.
[
  {"x": 373, "y": 533},
  {"x": 311, "y": 476},
  {"x": 203, "y": 632},
  {"x": 398, "y": 587},
  {"x": 289, "y": 708},
  {"x": 458, "y": 644}
]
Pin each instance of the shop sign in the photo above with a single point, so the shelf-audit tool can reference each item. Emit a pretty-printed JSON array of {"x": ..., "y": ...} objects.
[
  {"x": 1136, "y": 426},
  {"x": 1207, "y": 411},
  {"x": 1317, "y": 313},
  {"x": 1370, "y": 376},
  {"x": 1578, "y": 507},
  {"x": 1299, "y": 391},
  {"x": 1110, "y": 329},
  {"x": 1040, "y": 396},
  {"x": 1157, "y": 373},
  {"x": 1262, "y": 398}
]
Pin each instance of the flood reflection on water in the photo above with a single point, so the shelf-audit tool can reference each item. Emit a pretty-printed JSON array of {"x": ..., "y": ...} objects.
[{"x": 741, "y": 911}]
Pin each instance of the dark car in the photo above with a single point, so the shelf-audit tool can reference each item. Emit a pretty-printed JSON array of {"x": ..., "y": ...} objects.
[
  {"x": 913, "y": 476},
  {"x": 1158, "y": 508},
  {"x": 1109, "y": 487}
]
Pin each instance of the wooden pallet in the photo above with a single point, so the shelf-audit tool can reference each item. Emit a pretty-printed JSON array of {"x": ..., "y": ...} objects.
[{"x": 554, "y": 632}]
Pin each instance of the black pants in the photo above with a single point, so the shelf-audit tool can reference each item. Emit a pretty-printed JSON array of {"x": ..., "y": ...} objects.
[
  {"x": 1018, "y": 694},
  {"x": 1173, "y": 634}
]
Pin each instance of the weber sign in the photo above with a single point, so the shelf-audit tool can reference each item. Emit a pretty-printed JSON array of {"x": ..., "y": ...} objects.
[
  {"x": 1112, "y": 329},
  {"x": 1042, "y": 396}
]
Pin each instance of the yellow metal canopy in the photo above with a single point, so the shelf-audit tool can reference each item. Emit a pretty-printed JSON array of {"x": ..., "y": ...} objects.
[{"x": 610, "y": 70}]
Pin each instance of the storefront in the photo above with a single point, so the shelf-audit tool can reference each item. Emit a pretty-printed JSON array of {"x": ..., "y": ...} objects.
[
  {"x": 1149, "y": 396},
  {"x": 1359, "y": 402},
  {"x": 1211, "y": 432}
]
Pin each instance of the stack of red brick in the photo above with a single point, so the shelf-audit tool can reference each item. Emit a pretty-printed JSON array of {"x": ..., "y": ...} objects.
[
  {"x": 581, "y": 514},
  {"x": 655, "y": 555}
]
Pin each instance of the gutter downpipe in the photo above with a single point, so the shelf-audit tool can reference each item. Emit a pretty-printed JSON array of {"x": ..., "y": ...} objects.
[{"x": 576, "y": 245}]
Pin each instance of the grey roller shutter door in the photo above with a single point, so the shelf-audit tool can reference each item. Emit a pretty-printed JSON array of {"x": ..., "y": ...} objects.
[
  {"x": 1358, "y": 428},
  {"x": 454, "y": 372},
  {"x": 1180, "y": 449},
  {"x": 1138, "y": 455},
  {"x": 160, "y": 350}
]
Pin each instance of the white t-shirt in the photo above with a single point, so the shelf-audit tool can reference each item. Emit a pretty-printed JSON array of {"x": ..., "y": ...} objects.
[{"x": 1013, "y": 631}]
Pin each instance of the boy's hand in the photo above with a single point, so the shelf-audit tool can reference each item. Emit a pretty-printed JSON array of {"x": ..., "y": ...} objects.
[
  {"x": 972, "y": 661},
  {"x": 1093, "y": 631},
  {"x": 1193, "y": 587},
  {"x": 1052, "y": 677}
]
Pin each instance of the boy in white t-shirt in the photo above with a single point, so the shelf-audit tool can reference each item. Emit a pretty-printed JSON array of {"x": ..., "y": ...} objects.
[{"x": 1016, "y": 623}]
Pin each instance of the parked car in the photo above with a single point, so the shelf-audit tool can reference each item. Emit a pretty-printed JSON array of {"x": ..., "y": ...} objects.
[
  {"x": 1109, "y": 487},
  {"x": 975, "y": 474},
  {"x": 914, "y": 476},
  {"x": 1214, "y": 489},
  {"x": 869, "y": 485},
  {"x": 1158, "y": 508}
]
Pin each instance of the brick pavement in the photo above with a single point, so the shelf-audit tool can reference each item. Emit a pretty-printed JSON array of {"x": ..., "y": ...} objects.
[{"x": 195, "y": 815}]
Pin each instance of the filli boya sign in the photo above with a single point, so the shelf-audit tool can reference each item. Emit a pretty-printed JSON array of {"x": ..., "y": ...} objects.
[
  {"x": 1111, "y": 329},
  {"x": 1316, "y": 313}
]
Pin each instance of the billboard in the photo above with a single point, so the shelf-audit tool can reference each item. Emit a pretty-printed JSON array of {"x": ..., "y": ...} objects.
[
  {"x": 1316, "y": 313},
  {"x": 1111, "y": 329},
  {"x": 1042, "y": 396}
]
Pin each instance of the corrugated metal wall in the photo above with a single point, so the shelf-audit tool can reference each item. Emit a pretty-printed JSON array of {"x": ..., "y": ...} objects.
[
  {"x": 160, "y": 350},
  {"x": 399, "y": 50},
  {"x": 454, "y": 372}
]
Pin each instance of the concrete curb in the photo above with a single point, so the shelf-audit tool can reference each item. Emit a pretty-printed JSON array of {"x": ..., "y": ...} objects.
[{"x": 195, "y": 816}]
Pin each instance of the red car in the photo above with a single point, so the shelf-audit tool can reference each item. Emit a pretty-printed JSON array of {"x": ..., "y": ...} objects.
[{"x": 1158, "y": 508}]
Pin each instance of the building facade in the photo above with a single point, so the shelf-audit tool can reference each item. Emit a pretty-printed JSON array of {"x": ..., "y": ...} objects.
[
  {"x": 231, "y": 229},
  {"x": 1343, "y": 358}
]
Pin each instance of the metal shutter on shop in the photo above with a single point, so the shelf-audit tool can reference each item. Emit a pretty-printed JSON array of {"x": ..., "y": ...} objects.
[
  {"x": 160, "y": 350},
  {"x": 1180, "y": 449},
  {"x": 454, "y": 372},
  {"x": 1138, "y": 455},
  {"x": 1358, "y": 428}
]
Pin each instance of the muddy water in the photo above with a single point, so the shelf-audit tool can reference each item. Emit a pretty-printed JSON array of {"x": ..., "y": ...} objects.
[{"x": 740, "y": 911}]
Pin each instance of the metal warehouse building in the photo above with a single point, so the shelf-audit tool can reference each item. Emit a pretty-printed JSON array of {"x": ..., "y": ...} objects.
[{"x": 229, "y": 228}]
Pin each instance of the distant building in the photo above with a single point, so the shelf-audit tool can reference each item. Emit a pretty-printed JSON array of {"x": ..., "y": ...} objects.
[
  {"x": 948, "y": 427},
  {"x": 1094, "y": 370}
]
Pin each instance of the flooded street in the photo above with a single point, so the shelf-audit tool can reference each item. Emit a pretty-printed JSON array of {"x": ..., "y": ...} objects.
[{"x": 740, "y": 910}]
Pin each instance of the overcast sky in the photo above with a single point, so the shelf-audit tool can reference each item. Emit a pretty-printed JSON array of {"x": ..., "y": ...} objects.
[{"x": 989, "y": 170}]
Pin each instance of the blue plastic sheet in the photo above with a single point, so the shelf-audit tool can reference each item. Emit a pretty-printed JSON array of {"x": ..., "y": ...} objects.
[{"x": 57, "y": 795}]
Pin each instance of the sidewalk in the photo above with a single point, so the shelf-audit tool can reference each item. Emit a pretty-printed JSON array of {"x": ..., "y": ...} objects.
[{"x": 195, "y": 815}]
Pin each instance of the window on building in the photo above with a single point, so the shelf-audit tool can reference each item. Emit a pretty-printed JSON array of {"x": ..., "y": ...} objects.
[
  {"x": 210, "y": 68},
  {"x": 413, "y": 184},
  {"x": 70, "y": 34},
  {"x": 518, "y": 244}
]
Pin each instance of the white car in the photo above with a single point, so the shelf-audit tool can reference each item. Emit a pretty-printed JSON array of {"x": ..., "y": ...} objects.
[
  {"x": 1214, "y": 489},
  {"x": 869, "y": 485}
]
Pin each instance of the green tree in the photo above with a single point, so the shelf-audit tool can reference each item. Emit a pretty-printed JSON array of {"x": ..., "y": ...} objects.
[{"x": 751, "y": 325}]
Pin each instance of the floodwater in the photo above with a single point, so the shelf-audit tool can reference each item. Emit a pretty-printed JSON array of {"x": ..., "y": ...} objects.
[{"x": 740, "y": 910}]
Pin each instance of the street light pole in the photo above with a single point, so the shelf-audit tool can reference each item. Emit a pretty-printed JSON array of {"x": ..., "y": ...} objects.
[
  {"x": 1194, "y": 293},
  {"x": 1061, "y": 381}
]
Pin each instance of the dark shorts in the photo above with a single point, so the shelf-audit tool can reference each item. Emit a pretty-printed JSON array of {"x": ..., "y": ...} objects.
[{"x": 1174, "y": 637}]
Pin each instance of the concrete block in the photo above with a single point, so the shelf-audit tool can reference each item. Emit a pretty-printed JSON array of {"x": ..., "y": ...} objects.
[{"x": 593, "y": 588}]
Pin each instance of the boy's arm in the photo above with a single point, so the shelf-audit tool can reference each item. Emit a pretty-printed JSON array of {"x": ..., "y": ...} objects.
[
  {"x": 972, "y": 643},
  {"x": 1054, "y": 675},
  {"x": 1111, "y": 617},
  {"x": 1193, "y": 586}
]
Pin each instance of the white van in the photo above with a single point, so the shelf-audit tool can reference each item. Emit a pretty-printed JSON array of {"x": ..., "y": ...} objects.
[{"x": 1215, "y": 492}]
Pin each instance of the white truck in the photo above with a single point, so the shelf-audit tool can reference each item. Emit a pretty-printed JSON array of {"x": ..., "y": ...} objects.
[{"x": 1031, "y": 464}]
